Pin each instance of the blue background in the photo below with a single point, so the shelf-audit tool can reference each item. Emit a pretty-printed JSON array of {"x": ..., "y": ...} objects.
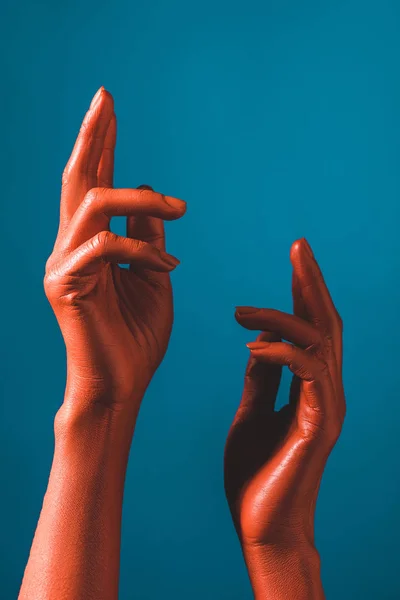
[{"x": 273, "y": 120}]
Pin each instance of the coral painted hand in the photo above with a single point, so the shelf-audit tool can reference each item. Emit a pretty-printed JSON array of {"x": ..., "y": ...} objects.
[
  {"x": 274, "y": 460},
  {"x": 116, "y": 322},
  {"x": 116, "y": 325}
]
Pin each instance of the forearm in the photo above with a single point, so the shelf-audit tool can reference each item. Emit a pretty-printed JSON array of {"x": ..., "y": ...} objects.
[
  {"x": 76, "y": 548},
  {"x": 282, "y": 573}
]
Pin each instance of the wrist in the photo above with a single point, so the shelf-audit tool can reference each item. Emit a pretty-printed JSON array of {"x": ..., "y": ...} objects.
[
  {"x": 96, "y": 420},
  {"x": 284, "y": 571},
  {"x": 96, "y": 383}
]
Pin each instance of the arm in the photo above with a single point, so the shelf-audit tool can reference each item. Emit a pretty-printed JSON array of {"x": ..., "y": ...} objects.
[
  {"x": 274, "y": 460},
  {"x": 75, "y": 551},
  {"x": 116, "y": 325}
]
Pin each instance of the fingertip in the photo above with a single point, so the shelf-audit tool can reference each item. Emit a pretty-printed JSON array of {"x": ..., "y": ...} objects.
[
  {"x": 246, "y": 310},
  {"x": 237, "y": 317},
  {"x": 108, "y": 98},
  {"x": 96, "y": 96},
  {"x": 243, "y": 314},
  {"x": 168, "y": 268},
  {"x": 165, "y": 263},
  {"x": 169, "y": 260},
  {"x": 166, "y": 208},
  {"x": 161, "y": 268},
  {"x": 176, "y": 204},
  {"x": 101, "y": 108},
  {"x": 296, "y": 247},
  {"x": 259, "y": 345},
  {"x": 102, "y": 99},
  {"x": 300, "y": 248}
]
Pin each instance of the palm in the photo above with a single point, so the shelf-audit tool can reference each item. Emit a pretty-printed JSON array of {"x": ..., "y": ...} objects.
[
  {"x": 145, "y": 307},
  {"x": 130, "y": 313},
  {"x": 254, "y": 452}
]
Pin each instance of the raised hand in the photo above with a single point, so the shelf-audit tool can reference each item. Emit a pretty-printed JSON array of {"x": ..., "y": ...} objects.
[
  {"x": 116, "y": 322},
  {"x": 274, "y": 460},
  {"x": 116, "y": 325}
]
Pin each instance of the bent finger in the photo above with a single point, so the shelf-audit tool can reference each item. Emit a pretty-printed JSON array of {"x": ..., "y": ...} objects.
[
  {"x": 109, "y": 247},
  {"x": 317, "y": 406},
  {"x": 281, "y": 353},
  {"x": 288, "y": 327},
  {"x": 150, "y": 229},
  {"x": 101, "y": 204}
]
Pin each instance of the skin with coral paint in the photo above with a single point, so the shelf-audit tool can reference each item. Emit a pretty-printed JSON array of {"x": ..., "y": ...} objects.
[
  {"x": 116, "y": 325},
  {"x": 274, "y": 460}
]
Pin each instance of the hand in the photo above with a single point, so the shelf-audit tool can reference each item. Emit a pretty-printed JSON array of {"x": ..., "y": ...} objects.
[
  {"x": 116, "y": 322},
  {"x": 116, "y": 325},
  {"x": 274, "y": 460}
]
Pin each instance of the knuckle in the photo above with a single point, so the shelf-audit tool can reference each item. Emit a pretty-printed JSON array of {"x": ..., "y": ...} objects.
[
  {"x": 49, "y": 263},
  {"x": 92, "y": 200},
  {"x": 139, "y": 245},
  {"x": 46, "y": 282},
  {"x": 103, "y": 238},
  {"x": 144, "y": 191},
  {"x": 66, "y": 174},
  {"x": 71, "y": 299},
  {"x": 136, "y": 245},
  {"x": 48, "y": 285}
]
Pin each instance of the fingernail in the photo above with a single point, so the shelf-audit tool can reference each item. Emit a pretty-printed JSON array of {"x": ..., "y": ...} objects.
[
  {"x": 169, "y": 259},
  {"x": 145, "y": 187},
  {"x": 96, "y": 96},
  {"x": 175, "y": 203},
  {"x": 246, "y": 310},
  {"x": 257, "y": 345},
  {"x": 307, "y": 247}
]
